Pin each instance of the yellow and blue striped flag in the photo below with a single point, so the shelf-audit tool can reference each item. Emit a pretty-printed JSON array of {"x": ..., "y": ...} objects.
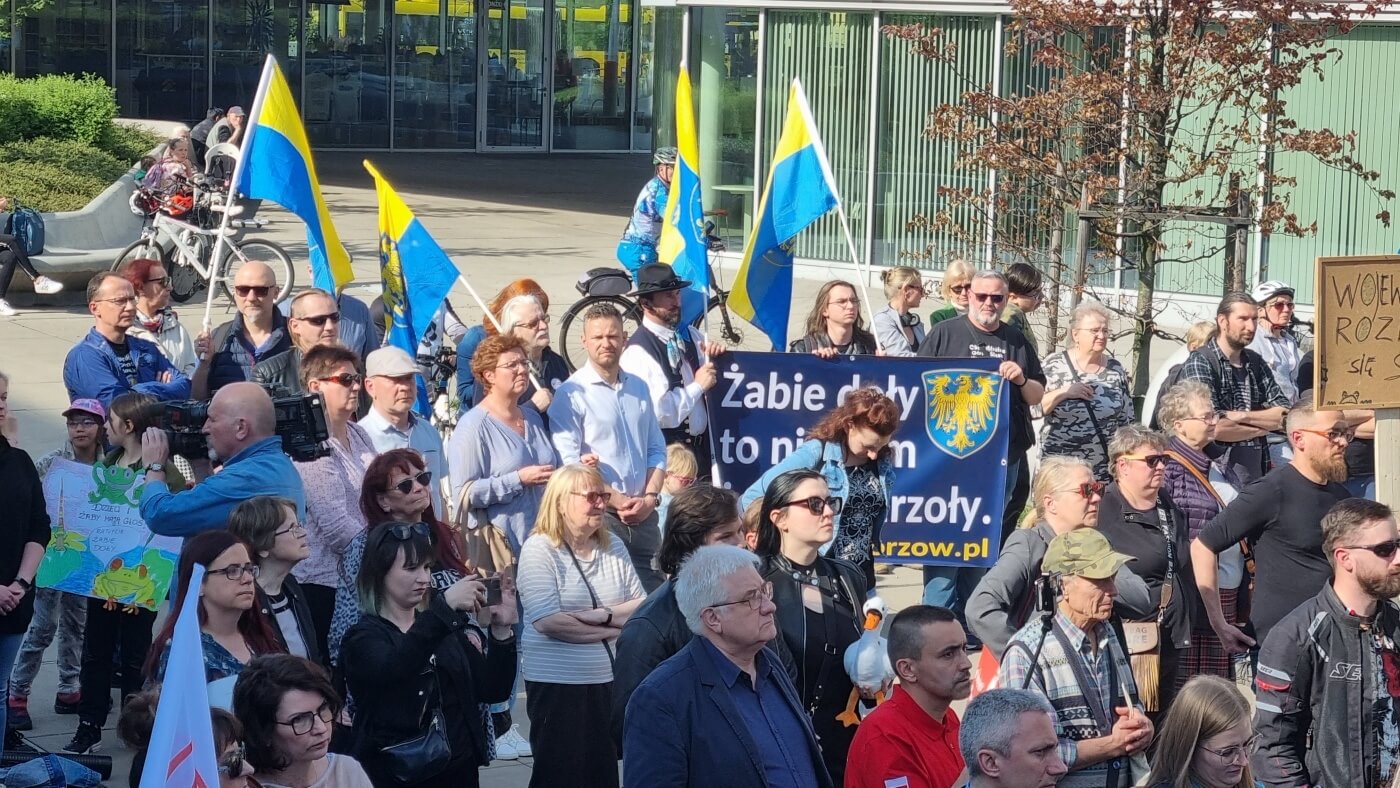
[
  {"x": 416, "y": 272},
  {"x": 276, "y": 165},
  {"x": 799, "y": 190},
  {"x": 682, "y": 243}
]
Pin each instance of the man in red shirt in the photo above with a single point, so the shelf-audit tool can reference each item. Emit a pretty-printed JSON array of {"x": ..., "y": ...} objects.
[{"x": 911, "y": 741}]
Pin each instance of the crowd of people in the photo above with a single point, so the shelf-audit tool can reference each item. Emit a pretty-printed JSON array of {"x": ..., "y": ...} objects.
[{"x": 370, "y": 616}]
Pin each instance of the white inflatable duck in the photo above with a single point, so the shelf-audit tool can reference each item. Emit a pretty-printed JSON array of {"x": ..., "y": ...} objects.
[{"x": 867, "y": 662}]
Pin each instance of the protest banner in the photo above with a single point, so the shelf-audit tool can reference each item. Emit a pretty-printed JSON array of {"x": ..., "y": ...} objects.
[
  {"x": 1358, "y": 332},
  {"x": 100, "y": 546},
  {"x": 949, "y": 451}
]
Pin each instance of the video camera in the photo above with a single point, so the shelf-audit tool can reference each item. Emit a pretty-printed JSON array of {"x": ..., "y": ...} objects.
[{"x": 301, "y": 424}]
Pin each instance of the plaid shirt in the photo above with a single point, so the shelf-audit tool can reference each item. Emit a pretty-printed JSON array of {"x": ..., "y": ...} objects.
[
  {"x": 1103, "y": 662},
  {"x": 1260, "y": 391}
]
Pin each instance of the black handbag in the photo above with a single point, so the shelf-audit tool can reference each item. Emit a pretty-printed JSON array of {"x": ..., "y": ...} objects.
[{"x": 425, "y": 756}]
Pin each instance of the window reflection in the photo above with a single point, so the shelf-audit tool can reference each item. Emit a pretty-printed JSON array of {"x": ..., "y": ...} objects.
[
  {"x": 724, "y": 69},
  {"x": 346, "y": 99},
  {"x": 434, "y": 74},
  {"x": 592, "y": 95},
  {"x": 64, "y": 37},
  {"x": 245, "y": 33}
]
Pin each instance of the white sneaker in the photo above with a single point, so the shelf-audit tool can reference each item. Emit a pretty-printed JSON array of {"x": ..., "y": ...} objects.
[
  {"x": 47, "y": 286},
  {"x": 504, "y": 750},
  {"x": 6, "y": 310},
  {"x": 520, "y": 743}
]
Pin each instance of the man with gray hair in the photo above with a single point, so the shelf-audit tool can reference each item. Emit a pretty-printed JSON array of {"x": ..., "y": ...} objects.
[
  {"x": 1008, "y": 741},
  {"x": 984, "y": 335},
  {"x": 722, "y": 711}
]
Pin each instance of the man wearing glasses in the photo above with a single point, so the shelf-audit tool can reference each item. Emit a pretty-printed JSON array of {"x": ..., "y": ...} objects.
[
  {"x": 107, "y": 363},
  {"x": 722, "y": 711},
  {"x": 1279, "y": 348},
  {"x": 1328, "y": 708},
  {"x": 315, "y": 322},
  {"x": 1278, "y": 518},
  {"x": 984, "y": 335},
  {"x": 256, "y": 334}
]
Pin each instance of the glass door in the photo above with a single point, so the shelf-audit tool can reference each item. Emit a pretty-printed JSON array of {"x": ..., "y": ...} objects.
[
  {"x": 514, "y": 62},
  {"x": 434, "y": 74}
]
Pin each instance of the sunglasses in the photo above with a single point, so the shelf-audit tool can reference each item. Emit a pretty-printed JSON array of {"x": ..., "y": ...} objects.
[
  {"x": 1345, "y": 436},
  {"x": 236, "y": 572},
  {"x": 232, "y": 764},
  {"x": 595, "y": 498},
  {"x": 960, "y": 289},
  {"x": 260, "y": 291},
  {"x": 995, "y": 298},
  {"x": 1153, "y": 461},
  {"x": 406, "y": 486},
  {"x": 817, "y": 504},
  {"x": 405, "y": 531},
  {"x": 1088, "y": 490},
  {"x": 1384, "y": 550},
  {"x": 164, "y": 282},
  {"x": 320, "y": 320},
  {"x": 346, "y": 379}
]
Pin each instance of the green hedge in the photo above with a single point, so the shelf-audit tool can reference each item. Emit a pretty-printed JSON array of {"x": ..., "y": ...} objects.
[
  {"x": 56, "y": 175},
  {"x": 61, "y": 106},
  {"x": 128, "y": 144}
]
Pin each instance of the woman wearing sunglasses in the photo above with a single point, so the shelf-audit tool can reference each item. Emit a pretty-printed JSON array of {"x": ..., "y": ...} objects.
[
  {"x": 956, "y": 290},
  {"x": 1203, "y": 487},
  {"x": 288, "y": 706},
  {"x": 579, "y": 587},
  {"x": 1207, "y": 739},
  {"x": 139, "y": 717},
  {"x": 155, "y": 320},
  {"x": 277, "y": 540},
  {"x": 897, "y": 326},
  {"x": 819, "y": 601},
  {"x": 850, "y": 446},
  {"x": 231, "y": 630},
  {"x": 407, "y": 663},
  {"x": 1140, "y": 519},
  {"x": 1066, "y": 497},
  {"x": 332, "y": 482}
]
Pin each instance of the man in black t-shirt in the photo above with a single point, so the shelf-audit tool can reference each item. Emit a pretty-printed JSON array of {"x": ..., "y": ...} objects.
[
  {"x": 1280, "y": 518},
  {"x": 983, "y": 335}
]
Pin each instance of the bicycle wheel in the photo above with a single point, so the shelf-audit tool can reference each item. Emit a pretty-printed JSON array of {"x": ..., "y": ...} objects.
[
  {"x": 727, "y": 328},
  {"x": 143, "y": 248},
  {"x": 266, "y": 252},
  {"x": 571, "y": 347}
]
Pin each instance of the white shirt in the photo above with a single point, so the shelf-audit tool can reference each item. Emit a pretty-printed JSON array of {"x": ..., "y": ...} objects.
[
  {"x": 420, "y": 437},
  {"x": 673, "y": 406},
  {"x": 1282, "y": 354},
  {"x": 618, "y": 423}
]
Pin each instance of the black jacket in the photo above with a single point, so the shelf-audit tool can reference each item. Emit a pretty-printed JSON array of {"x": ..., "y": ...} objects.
[
  {"x": 301, "y": 610},
  {"x": 1317, "y": 688},
  {"x": 1132, "y": 533},
  {"x": 392, "y": 680},
  {"x": 281, "y": 373},
  {"x": 25, "y": 520},
  {"x": 654, "y": 633}
]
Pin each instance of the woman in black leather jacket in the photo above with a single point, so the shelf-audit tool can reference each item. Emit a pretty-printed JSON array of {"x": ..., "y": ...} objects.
[{"x": 819, "y": 603}]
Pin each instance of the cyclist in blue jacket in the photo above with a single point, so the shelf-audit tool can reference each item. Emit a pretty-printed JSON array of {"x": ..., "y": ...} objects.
[{"x": 638, "y": 245}]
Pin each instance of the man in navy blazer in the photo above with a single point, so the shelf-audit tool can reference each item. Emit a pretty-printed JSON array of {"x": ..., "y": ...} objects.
[{"x": 722, "y": 711}]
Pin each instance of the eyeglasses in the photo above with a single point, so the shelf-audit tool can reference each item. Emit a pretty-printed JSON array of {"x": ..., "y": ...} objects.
[
  {"x": 164, "y": 282},
  {"x": 1087, "y": 490},
  {"x": 83, "y": 423},
  {"x": 514, "y": 366},
  {"x": 817, "y": 504},
  {"x": 405, "y": 531},
  {"x": 320, "y": 320},
  {"x": 1230, "y": 754},
  {"x": 1334, "y": 434},
  {"x": 1098, "y": 332},
  {"x": 289, "y": 529},
  {"x": 424, "y": 478},
  {"x": 301, "y": 723},
  {"x": 684, "y": 481},
  {"x": 1153, "y": 461},
  {"x": 845, "y": 302},
  {"x": 1211, "y": 419},
  {"x": 260, "y": 291},
  {"x": 754, "y": 599},
  {"x": 1384, "y": 550},
  {"x": 960, "y": 289},
  {"x": 346, "y": 379},
  {"x": 123, "y": 301},
  {"x": 1281, "y": 305},
  {"x": 995, "y": 298},
  {"x": 542, "y": 320},
  {"x": 595, "y": 497},
  {"x": 236, "y": 572},
  {"x": 231, "y": 765}
]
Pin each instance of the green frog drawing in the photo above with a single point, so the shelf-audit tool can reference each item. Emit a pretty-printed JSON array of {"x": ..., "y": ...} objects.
[
  {"x": 115, "y": 485},
  {"x": 122, "y": 582}
]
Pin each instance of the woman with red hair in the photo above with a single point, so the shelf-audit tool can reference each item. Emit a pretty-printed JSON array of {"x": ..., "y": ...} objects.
[
  {"x": 850, "y": 447},
  {"x": 466, "y": 380},
  {"x": 155, "y": 320}
]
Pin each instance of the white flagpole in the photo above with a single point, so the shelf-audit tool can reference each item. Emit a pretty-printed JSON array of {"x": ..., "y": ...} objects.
[{"x": 216, "y": 255}]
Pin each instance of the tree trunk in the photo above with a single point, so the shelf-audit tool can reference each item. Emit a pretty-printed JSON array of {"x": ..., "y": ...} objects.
[{"x": 1145, "y": 320}]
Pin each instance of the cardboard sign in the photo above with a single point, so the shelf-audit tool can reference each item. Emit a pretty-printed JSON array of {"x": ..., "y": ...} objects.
[{"x": 1357, "y": 333}]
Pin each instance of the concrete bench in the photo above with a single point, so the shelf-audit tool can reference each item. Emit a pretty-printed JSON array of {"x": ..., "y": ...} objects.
[{"x": 86, "y": 241}]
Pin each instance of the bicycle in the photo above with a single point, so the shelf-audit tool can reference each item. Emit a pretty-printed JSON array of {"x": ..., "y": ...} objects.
[
  {"x": 611, "y": 285},
  {"x": 184, "y": 247}
]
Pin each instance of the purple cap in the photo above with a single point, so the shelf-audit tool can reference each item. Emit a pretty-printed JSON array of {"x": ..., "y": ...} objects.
[{"x": 86, "y": 405}]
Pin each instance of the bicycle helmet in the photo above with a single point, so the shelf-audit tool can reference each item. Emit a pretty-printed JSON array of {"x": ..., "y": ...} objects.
[
  {"x": 1266, "y": 290},
  {"x": 665, "y": 156},
  {"x": 143, "y": 203}
]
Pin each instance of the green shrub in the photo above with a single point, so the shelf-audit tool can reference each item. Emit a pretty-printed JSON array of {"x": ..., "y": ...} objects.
[
  {"x": 59, "y": 106},
  {"x": 128, "y": 144},
  {"x": 56, "y": 175}
]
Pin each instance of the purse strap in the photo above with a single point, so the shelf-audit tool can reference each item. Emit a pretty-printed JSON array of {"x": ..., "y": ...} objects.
[
  {"x": 593, "y": 596},
  {"x": 1094, "y": 420},
  {"x": 1195, "y": 472}
]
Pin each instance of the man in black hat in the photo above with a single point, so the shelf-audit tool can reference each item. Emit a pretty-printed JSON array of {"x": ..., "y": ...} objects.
[{"x": 673, "y": 360}]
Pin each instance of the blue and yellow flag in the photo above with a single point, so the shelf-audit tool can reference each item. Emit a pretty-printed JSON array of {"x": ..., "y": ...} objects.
[
  {"x": 416, "y": 272},
  {"x": 276, "y": 165},
  {"x": 799, "y": 190},
  {"x": 682, "y": 243}
]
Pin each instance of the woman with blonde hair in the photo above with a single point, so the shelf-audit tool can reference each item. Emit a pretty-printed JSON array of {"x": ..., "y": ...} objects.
[
  {"x": 1206, "y": 739},
  {"x": 578, "y": 588},
  {"x": 835, "y": 327},
  {"x": 956, "y": 290},
  {"x": 897, "y": 327}
]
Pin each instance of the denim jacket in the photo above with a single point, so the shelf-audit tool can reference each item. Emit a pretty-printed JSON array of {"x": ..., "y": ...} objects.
[
  {"x": 830, "y": 460},
  {"x": 93, "y": 370}
]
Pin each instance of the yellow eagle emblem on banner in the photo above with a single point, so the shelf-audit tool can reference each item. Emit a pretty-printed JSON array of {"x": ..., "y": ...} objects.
[{"x": 962, "y": 408}]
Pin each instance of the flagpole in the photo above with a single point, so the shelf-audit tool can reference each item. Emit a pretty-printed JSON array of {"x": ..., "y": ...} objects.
[
  {"x": 215, "y": 256},
  {"x": 489, "y": 316},
  {"x": 862, "y": 270}
]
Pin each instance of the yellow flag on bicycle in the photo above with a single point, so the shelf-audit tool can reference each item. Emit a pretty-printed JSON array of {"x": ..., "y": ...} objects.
[{"x": 682, "y": 244}]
